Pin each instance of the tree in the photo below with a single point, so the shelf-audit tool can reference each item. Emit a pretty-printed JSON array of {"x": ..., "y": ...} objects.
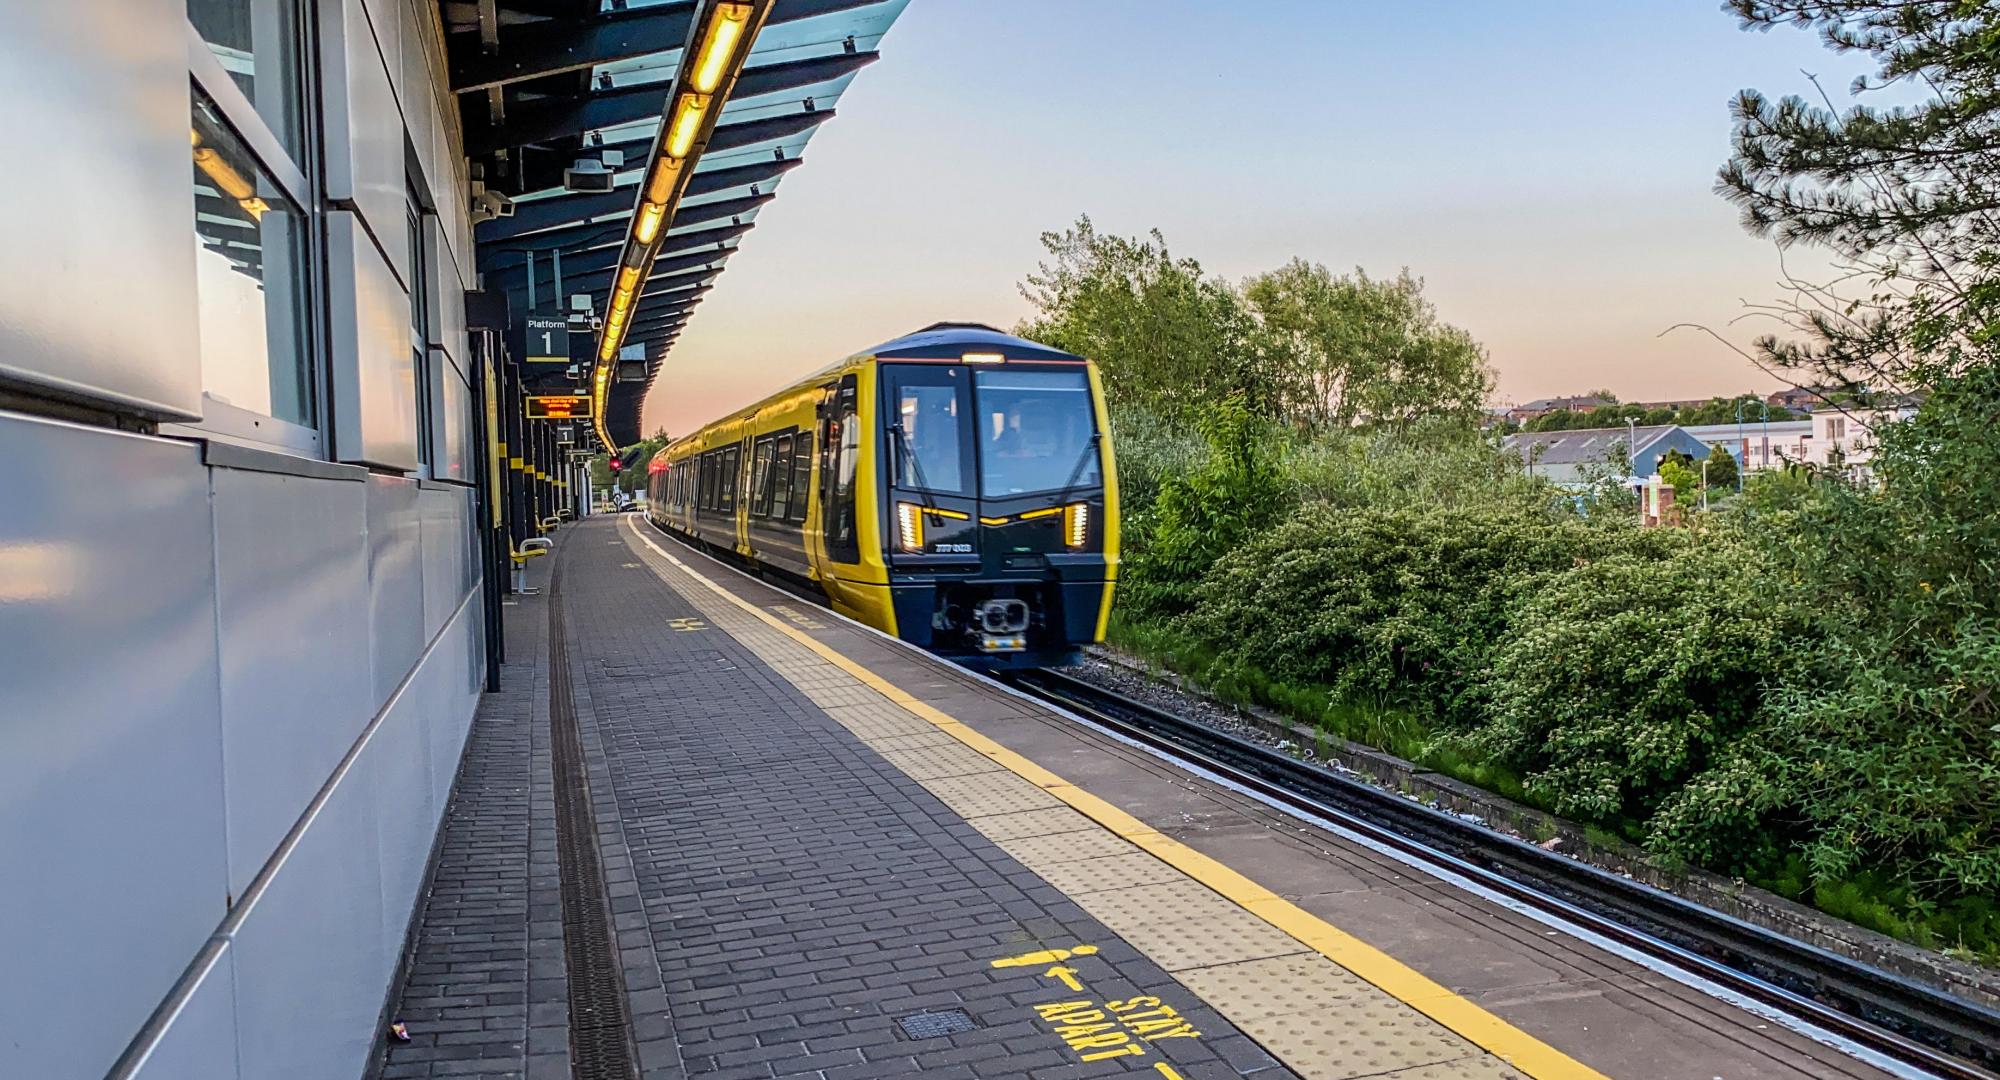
[
  {"x": 1351, "y": 348},
  {"x": 633, "y": 478},
  {"x": 1909, "y": 196},
  {"x": 1722, "y": 471},
  {"x": 1166, "y": 337},
  {"x": 1680, "y": 470}
]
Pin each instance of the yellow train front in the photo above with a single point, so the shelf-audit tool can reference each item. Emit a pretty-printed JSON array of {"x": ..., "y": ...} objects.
[{"x": 954, "y": 487}]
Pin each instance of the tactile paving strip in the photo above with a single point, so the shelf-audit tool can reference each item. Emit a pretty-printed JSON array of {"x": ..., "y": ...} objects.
[
  {"x": 1367, "y": 1038},
  {"x": 937, "y": 762},
  {"x": 1278, "y": 985},
  {"x": 974, "y": 796},
  {"x": 1186, "y": 899},
  {"x": 1111, "y": 872},
  {"x": 1478, "y": 1067},
  {"x": 1178, "y": 944},
  {"x": 1056, "y": 819},
  {"x": 1037, "y": 853}
]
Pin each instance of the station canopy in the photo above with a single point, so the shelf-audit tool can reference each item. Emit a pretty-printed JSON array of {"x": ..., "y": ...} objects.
[{"x": 545, "y": 84}]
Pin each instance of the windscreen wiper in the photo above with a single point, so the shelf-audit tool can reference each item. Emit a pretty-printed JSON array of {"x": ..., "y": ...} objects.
[
  {"x": 916, "y": 465},
  {"x": 1076, "y": 474}
]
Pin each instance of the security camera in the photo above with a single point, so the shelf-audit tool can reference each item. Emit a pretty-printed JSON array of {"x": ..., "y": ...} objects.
[
  {"x": 487, "y": 205},
  {"x": 588, "y": 174}
]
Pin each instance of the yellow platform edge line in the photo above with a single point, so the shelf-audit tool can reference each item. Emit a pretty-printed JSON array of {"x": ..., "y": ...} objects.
[{"x": 1388, "y": 974}]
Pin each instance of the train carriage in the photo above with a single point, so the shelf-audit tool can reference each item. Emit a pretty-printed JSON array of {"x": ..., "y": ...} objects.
[{"x": 954, "y": 487}]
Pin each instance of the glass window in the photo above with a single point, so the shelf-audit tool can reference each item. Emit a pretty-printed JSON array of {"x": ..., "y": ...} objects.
[
  {"x": 250, "y": 278},
  {"x": 259, "y": 43},
  {"x": 732, "y": 465},
  {"x": 781, "y": 479},
  {"x": 929, "y": 451},
  {"x": 1035, "y": 431},
  {"x": 420, "y": 319},
  {"x": 760, "y": 476},
  {"x": 801, "y": 476}
]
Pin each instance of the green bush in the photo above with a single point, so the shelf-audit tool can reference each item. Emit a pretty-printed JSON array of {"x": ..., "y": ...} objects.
[
  {"x": 1203, "y": 513},
  {"x": 1394, "y": 603},
  {"x": 1890, "y": 737},
  {"x": 1624, "y": 677},
  {"x": 1149, "y": 449}
]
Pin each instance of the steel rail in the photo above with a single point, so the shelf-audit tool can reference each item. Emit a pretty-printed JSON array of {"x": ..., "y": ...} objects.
[{"x": 1887, "y": 1013}]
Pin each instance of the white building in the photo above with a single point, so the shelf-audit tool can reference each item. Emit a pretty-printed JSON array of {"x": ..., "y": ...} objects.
[
  {"x": 1851, "y": 434},
  {"x": 1756, "y": 445}
]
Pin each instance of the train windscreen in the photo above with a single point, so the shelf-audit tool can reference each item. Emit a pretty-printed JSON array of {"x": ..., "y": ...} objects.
[{"x": 1035, "y": 432}]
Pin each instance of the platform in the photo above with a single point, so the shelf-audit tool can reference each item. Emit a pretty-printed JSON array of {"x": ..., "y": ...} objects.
[{"x": 819, "y": 853}]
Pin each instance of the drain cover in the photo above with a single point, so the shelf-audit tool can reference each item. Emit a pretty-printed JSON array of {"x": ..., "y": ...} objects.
[{"x": 930, "y": 1025}]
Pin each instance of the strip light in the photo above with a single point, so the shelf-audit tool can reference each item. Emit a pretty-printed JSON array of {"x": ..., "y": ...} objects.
[
  {"x": 227, "y": 179},
  {"x": 715, "y": 52}
]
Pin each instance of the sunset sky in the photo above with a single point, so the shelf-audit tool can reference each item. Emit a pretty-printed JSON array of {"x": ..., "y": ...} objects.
[{"x": 1545, "y": 166}]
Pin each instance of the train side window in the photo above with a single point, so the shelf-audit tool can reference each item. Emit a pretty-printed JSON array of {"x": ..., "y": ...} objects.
[
  {"x": 801, "y": 475},
  {"x": 732, "y": 464},
  {"x": 781, "y": 477},
  {"x": 760, "y": 472}
]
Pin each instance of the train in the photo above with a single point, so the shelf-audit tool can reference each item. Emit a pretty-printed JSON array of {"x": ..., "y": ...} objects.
[{"x": 955, "y": 488}]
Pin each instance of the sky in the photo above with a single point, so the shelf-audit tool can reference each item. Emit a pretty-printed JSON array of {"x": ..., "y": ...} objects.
[{"x": 1546, "y": 166}]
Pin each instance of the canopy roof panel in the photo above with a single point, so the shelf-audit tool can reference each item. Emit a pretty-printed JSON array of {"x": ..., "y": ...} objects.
[{"x": 543, "y": 84}]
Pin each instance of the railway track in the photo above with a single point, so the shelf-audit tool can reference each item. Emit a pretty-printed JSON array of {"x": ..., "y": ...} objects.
[{"x": 1915, "y": 1025}]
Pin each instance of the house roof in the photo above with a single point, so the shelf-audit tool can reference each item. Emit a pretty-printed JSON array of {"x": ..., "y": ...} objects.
[
  {"x": 1750, "y": 429},
  {"x": 1547, "y": 404},
  {"x": 1585, "y": 446}
]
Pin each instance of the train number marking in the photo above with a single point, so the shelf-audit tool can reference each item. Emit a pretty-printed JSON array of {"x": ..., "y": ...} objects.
[
  {"x": 682, "y": 626},
  {"x": 1101, "y": 1030},
  {"x": 798, "y": 618}
]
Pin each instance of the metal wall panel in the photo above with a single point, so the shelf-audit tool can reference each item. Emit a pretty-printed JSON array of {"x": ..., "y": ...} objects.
[
  {"x": 447, "y": 298},
  {"x": 366, "y": 153},
  {"x": 415, "y": 88},
  {"x": 109, "y": 87},
  {"x": 458, "y": 658},
  {"x": 444, "y": 529},
  {"x": 292, "y": 556},
  {"x": 405, "y": 810},
  {"x": 312, "y": 967},
  {"x": 111, "y": 802},
  {"x": 395, "y": 583},
  {"x": 200, "y": 1038},
  {"x": 374, "y": 378}
]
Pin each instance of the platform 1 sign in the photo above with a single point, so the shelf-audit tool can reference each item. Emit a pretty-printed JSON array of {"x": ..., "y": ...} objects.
[
  {"x": 558, "y": 407},
  {"x": 548, "y": 339}
]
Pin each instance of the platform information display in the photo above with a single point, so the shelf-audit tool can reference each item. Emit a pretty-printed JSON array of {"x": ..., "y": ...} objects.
[
  {"x": 548, "y": 339},
  {"x": 558, "y": 407}
]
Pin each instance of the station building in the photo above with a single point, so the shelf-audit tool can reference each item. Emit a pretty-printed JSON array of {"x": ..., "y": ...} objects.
[{"x": 270, "y": 277}]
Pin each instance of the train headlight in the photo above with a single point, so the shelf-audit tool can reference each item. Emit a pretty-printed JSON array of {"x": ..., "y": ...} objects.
[
  {"x": 1076, "y": 524},
  {"x": 910, "y": 526}
]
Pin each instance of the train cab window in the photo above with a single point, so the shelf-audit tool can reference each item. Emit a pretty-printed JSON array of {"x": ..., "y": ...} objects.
[
  {"x": 1035, "y": 432},
  {"x": 801, "y": 483},
  {"x": 927, "y": 429}
]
